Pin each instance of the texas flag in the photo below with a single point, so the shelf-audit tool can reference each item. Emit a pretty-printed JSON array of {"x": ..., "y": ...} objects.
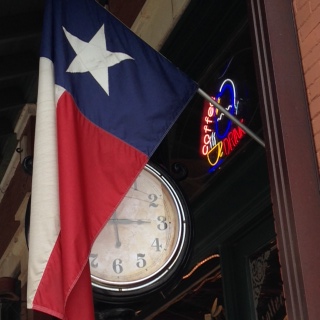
[{"x": 105, "y": 101}]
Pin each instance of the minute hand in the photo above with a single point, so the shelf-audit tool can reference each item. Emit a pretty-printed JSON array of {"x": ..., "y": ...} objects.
[{"x": 129, "y": 221}]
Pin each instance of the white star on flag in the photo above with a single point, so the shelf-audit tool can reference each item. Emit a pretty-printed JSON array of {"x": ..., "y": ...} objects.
[{"x": 94, "y": 57}]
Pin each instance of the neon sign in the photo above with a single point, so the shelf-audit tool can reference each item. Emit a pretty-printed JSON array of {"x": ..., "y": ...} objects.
[{"x": 219, "y": 136}]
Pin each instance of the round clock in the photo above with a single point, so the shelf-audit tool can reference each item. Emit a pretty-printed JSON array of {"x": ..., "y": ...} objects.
[{"x": 146, "y": 240}]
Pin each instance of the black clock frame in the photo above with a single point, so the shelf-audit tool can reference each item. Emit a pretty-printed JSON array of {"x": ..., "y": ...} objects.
[{"x": 172, "y": 276}]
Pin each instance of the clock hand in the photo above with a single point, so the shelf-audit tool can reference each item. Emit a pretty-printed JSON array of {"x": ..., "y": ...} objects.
[
  {"x": 118, "y": 242},
  {"x": 128, "y": 221}
]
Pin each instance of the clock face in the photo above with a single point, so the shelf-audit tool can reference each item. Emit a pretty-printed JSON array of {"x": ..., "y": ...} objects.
[{"x": 144, "y": 239}]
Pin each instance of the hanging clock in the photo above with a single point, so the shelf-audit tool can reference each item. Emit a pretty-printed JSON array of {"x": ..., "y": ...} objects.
[{"x": 145, "y": 242}]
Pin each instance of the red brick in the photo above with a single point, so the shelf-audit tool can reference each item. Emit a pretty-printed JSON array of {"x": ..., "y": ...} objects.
[
  {"x": 314, "y": 107},
  {"x": 299, "y": 3},
  {"x": 318, "y": 158},
  {"x": 311, "y": 23},
  {"x": 317, "y": 142},
  {"x": 311, "y": 58},
  {"x": 302, "y": 15},
  {"x": 314, "y": 90},
  {"x": 313, "y": 74},
  {"x": 314, "y": 4},
  {"x": 310, "y": 41},
  {"x": 316, "y": 124}
]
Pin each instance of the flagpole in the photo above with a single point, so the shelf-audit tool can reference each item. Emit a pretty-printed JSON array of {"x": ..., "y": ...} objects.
[{"x": 232, "y": 118}]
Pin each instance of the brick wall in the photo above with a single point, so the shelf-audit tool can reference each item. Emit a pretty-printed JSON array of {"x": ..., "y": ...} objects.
[{"x": 307, "y": 13}]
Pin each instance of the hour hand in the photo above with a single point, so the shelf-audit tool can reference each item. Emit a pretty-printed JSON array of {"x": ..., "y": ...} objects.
[{"x": 128, "y": 221}]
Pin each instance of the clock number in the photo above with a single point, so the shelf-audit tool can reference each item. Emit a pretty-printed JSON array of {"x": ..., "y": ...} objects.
[
  {"x": 141, "y": 262},
  {"x": 163, "y": 224},
  {"x": 153, "y": 198},
  {"x": 117, "y": 267},
  {"x": 156, "y": 244},
  {"x": 94, "y": 256}
]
